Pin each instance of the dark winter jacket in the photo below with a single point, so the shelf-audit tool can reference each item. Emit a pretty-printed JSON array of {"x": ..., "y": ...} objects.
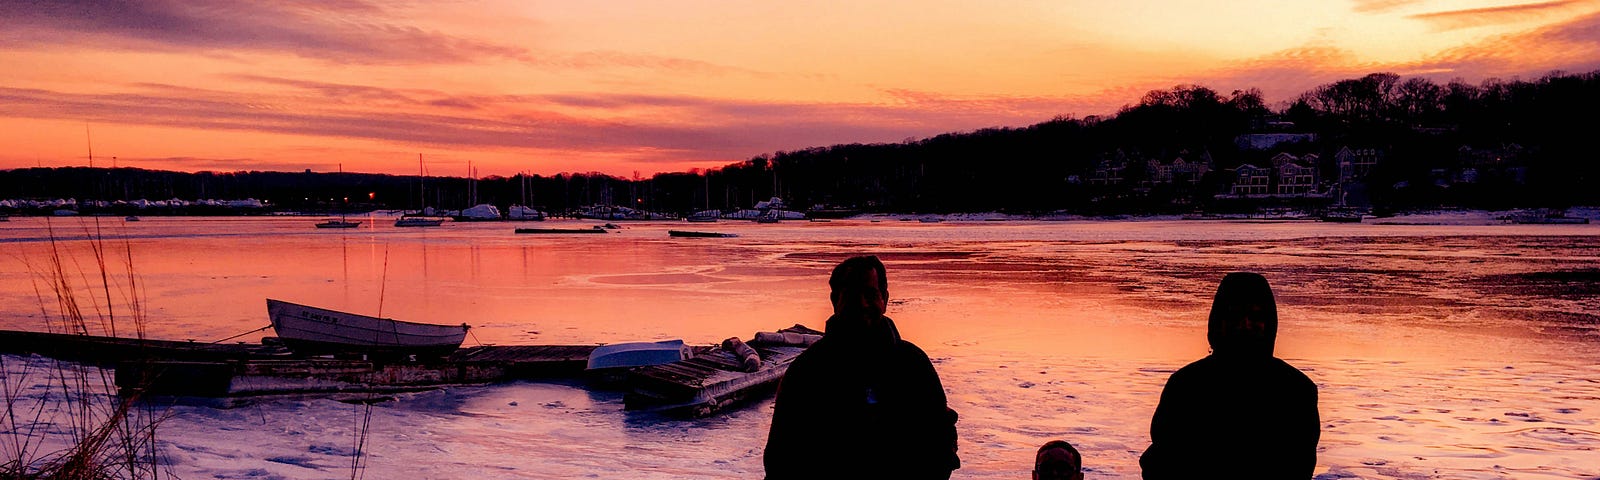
[
  {"x": 861, "y": 403},
  {"x": 1245, "y": 418},
  {"x": 1240, "y": 412}
]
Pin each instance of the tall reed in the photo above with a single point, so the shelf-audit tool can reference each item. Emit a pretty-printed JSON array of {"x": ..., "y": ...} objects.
[{"x": 66, "y": 419}]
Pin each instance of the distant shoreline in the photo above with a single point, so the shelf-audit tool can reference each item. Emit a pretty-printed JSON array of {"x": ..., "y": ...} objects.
[{"x": 1422, "y": 217}]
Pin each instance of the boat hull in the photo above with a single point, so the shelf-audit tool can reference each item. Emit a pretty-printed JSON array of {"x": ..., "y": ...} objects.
[
  {"x": 418, "y": 222},
  {"x": 316, "y": 331},
  {"x": 338, "y": 224},
  {"x": 559, "y": 231},
  {"x": 693, "y": 234}
]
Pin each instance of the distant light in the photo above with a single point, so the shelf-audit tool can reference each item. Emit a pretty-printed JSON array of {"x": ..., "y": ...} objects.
[{"x": 372, "y": 195}]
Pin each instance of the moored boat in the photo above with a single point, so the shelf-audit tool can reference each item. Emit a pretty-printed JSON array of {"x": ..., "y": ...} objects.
[
  {"x": 308, "y": 330},
  {"x": 595, "y": 229},
  {"x": 418, "y": 222},
  {"x": 1342, "y": 215},
  {"x": 340, "y": 223},
  {"x": 1546, "y": 217},
  {"x": 689, "y": 233}
]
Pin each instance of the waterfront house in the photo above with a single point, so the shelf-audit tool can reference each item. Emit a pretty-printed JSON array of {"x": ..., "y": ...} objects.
[{"x": 1251, "y": 180}]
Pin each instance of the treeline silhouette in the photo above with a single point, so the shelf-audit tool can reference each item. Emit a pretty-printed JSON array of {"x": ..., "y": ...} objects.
[{"x": 1496, "y": 144}]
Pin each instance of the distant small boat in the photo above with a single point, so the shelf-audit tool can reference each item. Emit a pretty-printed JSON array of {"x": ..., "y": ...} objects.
[
  {"x": 611, "y": 226},
  {"x": 595, "y": 229},
  {"x": 687, "y": 233},
  {"x": 131, "y": 218},
  {"x": 339, "y": 224},
  {"x": 1342, "y": 216},
  {"x": 1553, "y": 221},
  {"x": 418, "y": 222},
  {"x": 1547, "y": 217},
  {"x": 930, "y": 220},
  {"x": 310, "y": 330},
  {"x": 702, "y": 219}
]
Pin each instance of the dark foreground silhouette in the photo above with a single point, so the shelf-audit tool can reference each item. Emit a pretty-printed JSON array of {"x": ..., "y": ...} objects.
[
  {"x": 1057, "y": 460},
  {"x": 861, "y": 402},
  {"x": 1239, "y": 412}
]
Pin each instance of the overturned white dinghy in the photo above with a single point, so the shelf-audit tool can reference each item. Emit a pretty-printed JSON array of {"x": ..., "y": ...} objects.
[
  {"x": 609, "y": 363},
  {"x": 637, "y": 354}
]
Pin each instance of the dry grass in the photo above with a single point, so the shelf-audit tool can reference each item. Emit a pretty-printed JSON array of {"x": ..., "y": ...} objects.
[{"x": 66, "y": 420}]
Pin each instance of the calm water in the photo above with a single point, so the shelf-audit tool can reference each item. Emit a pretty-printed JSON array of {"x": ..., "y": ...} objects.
[{"x": 1440, "y": 351}]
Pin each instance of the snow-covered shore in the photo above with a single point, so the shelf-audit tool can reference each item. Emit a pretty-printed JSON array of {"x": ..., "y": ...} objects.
[{"x": 1429, "y": 217}]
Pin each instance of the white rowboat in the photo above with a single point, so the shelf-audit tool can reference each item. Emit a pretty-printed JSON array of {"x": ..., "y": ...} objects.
[{"x": 316, "y": 331}]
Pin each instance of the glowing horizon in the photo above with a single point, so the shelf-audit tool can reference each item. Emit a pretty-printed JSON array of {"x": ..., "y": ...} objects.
[{"x": 634, "y": 86}]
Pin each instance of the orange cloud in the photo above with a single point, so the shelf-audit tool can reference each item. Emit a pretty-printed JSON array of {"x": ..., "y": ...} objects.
[
  {"x": 1379, "y": 6},
  {"x": 1476, "y": 17}
]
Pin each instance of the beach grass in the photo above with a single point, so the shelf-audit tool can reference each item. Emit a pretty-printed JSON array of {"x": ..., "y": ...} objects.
[{"x": 67, "y": 420}]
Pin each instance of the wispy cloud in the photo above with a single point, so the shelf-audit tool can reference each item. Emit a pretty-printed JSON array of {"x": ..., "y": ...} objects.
[
  {"x": 346, "y": 31},
  {"x": 1572, "y": 46},
  {"x": 228, "y": 164},
  {"x": 342, "y": 32},
  {"x": 1476, "y": 17},
  {"x": 1380, "y": 6},
  {"x": 671, "y": 129}
]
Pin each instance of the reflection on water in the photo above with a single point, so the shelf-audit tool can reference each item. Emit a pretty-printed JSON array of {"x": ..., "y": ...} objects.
[{"x": 1438, "y": 350}]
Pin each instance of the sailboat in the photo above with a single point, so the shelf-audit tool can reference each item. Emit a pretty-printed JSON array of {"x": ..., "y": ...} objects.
[
  {"x": 708, "y": 215},
  {"x": 422, "y": 195},
  {"x": 341, "y": 222}
]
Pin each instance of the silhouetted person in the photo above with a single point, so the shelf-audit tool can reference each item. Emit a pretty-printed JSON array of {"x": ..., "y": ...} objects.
[
  {"x": 861, "y": 402},
  {"x": 1057, "y": 460},
  {"x": 1240, "y": 412}
]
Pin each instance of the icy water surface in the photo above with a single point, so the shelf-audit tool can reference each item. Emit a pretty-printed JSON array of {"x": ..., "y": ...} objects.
[{"x": 1439, "y": 351}]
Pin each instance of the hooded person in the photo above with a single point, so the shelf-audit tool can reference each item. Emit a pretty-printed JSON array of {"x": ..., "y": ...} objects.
[
  {"x": 1239, "y": 412},
  {"x": 861, "y": 402}
]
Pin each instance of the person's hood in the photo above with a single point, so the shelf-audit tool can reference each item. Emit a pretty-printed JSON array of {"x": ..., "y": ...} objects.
[{"x": 1242, "y": 295}]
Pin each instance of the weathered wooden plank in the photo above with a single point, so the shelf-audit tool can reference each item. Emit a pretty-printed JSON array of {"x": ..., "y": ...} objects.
[{"x": 708, "y": 382}]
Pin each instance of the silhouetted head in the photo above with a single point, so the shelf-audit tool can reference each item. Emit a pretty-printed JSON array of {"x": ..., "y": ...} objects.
[
  {"x": 1244, "y": 316},
  {"x": 860, "y": 287},
  {"x": 1057, "y": 460}
]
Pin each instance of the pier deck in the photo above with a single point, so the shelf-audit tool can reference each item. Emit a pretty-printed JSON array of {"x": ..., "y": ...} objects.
[
  {"x": 233, "y": 374},
  {"x": 710, "y": 382}
]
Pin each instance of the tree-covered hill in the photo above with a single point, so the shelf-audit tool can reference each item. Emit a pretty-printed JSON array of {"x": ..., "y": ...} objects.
[{"x": 1499, "y": 143}]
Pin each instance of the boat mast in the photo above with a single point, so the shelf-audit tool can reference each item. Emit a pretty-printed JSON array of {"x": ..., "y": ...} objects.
[
  {"x": 422, "y": 187},
  {"x": 90, "y": 142}
]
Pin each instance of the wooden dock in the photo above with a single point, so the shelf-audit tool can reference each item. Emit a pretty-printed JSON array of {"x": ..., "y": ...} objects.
[
  {"x": 711, "y": 382},
  {"x": 347, "y": 379},
  {"x": 227, "y": 375},
  {"x": 111, "y": 350}
]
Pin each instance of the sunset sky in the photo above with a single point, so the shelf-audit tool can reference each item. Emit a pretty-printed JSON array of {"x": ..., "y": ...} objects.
[{"x": 623, "y": 86}]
